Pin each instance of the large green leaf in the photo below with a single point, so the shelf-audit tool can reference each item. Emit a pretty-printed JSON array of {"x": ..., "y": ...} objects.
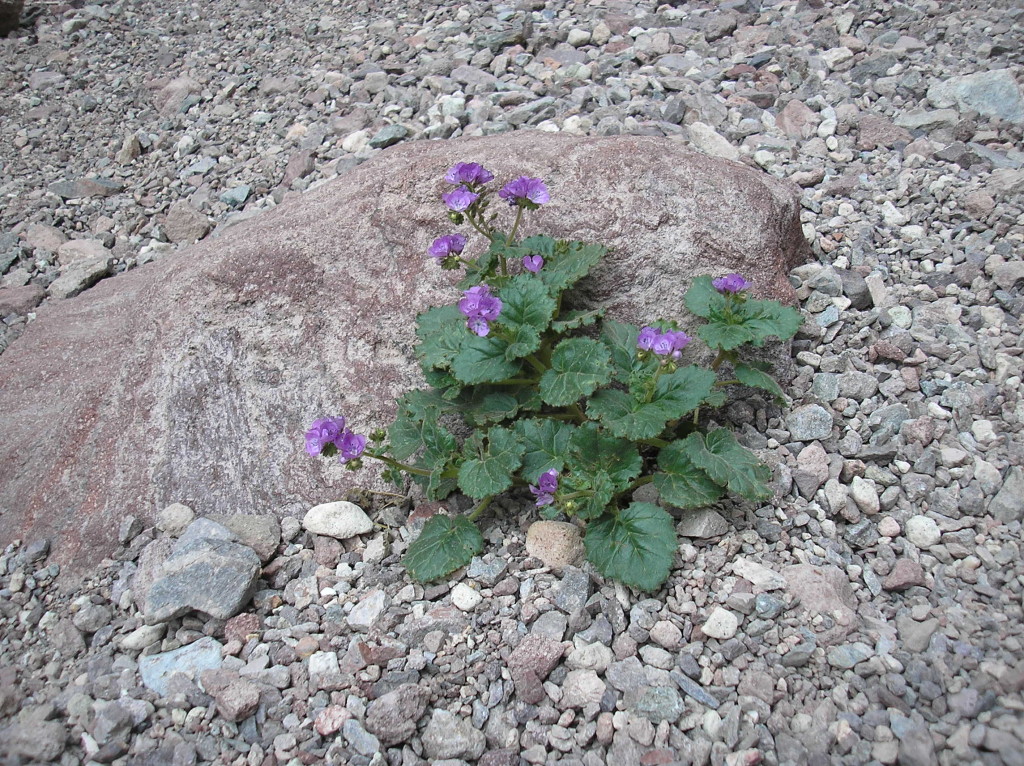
[
  {"x": 525, "y": 301},
  {"x": 681, "y": 483},
  {"x": 482, "y": 406},
  {"x": 578, "y": 366},
  {"x": 703, "y": 299},
  {"x": 595, "y": 452},
  {"x": 675, "y": 395},
  {"x": 567, "y": 263},
  {"x": 635, "y": 546},
  {"x": 724, "y": 335},
  {"x": 483, "y": 360},
  {"x": 620, "y": 339},
  {"x": 546, "y": 444},
  {"x": 488, "y": 469},
  {"x": 750, "y": 375},
  {"x": 442, "y": 331},
  {"x": 523, "y": 340},
  {"x": 444, "y": 545},
  {"x": 599, "y": 490},
  {"x": 729, "y": 463},
  {"x": 574, "y": 319},
  {"x": 765, "y": 319},
  {"x": 413, "y": 431}
]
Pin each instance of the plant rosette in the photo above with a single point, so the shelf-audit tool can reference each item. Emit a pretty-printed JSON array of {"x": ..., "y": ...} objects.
[{"x": 573, "y": 409}]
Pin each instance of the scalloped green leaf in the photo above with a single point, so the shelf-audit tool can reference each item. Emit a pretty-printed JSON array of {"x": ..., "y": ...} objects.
[
  {"x": 525, "y": 301},
  {"x": 444, "y": 545},
  {"x": 681, "y": 483},
  {"x": 546, "y": 445},
  {"x": 675, "y": 395},
  {"x": 482, "y": 406},
  {"x": 590, "y": 506},
  {"x": 635, "y": 546},
  {"x": 578, "y": 366},
  {"x": 568, "y": 263},
  {"x": 620, "y": 339},
  {"x": 442, "y": 333},
  {"x": 702, "y": 299},
  {"x": 729, "y": 463},
  {"x": 412, "y": 431},
  {"x": 766, "y": 319},
  {"x": 488, "y": 469},
  {"x": 749, "y": 375},
  {"x": 483, "y": 360},
  {"x": 573, "y": 320},
  {"x": 523, "y": 340},
  {"x": 725, "y": 335},
  {"x": 595, "y": 452}
]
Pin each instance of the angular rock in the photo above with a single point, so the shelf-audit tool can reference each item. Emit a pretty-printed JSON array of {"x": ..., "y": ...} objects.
[
  {"x": 823, "y": 590},
  {"x": 20, "y": 300},
  {"x": 530, "y": 663},
  {"x": 905, "y": 574},
  {"x": 238, "y": 700},
  {"x": 37, "y": 741},
  {"x": 173, "y": 409},
  {"x": 556, "y": 543},
  {"x": 184, "y": 223},
  {"x": 191, "y": 660},
  {"x": 808, "y": 423},
  {"x": 811, "y": 470},
  {"x": 393, "y": 716},
  {"x": 721, "y": 624},
  {"x": 702, "y": 523},
  {"x": 261, "y": 533},
  {"x": 173, "y": 96},
  {"x": 1008, "y": 504},
  {"x": 85, "y": 187},
  {"x": 42, "y": 237},
  {"x": 994, "y": 93},
  {"x": 80, "y": 250},
  {"x": 340, "y": 520},
  {"x": 581, "y": 688},
  {"x": 447, "y": 736},
  {"x": 78, "y": 276},
  {"x": 216, "y": 577}
]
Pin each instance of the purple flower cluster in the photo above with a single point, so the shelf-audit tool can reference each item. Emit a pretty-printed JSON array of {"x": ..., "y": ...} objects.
[
  {"x": 480, "y": 308},
  {"x": 449, "y": 244},
  {"x": 468, "y": 173},
  {"x": 545, "y": 488},
  {"x": 669, "y": 343},
  {"x": 525, "y": 192},
  {"x": 731, "y": 283},
  {"x": 459, "y": 200},
  {"x": 332, "y": 431},
  {"x": 533, "y": 263}
]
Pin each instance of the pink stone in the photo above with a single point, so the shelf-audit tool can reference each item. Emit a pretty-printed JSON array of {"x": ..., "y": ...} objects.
[{"x": 905, "y": 574}]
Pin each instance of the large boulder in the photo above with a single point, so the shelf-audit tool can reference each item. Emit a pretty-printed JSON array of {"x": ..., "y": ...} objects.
[{"x": 192, "y": 380}]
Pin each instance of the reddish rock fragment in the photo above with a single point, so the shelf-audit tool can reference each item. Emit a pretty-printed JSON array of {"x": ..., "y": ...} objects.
[
  {"x": 20, "y": 300},
  {"x": 905, "y": 574}
]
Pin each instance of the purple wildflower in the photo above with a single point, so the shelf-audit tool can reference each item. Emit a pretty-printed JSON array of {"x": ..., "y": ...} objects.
[
  {"x": 449, "y": 244},
  {"x": 525, "y": 192},
  {"x": 468, "y": 173},
  {"x": 480, "y": 308},
  {"x": 731, "y": 283},
  {"x": 645, "y": 340},
  {"x": 533, "y": 263},
  {"x": 545, "y": 488},
  {"x": 324, "y": 431},
  {"x": 351, "y": 446},
  {"x": 459, "y": 199}
]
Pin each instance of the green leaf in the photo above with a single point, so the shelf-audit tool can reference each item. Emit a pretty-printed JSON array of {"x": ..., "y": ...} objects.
[
  {"x": 724, "y": 335},
  {"x": 593, "y": 505},
  {"x": 703, "y": 299},
  {"x": 482, "y": 406},
  {"x": 675, "y": 395},
  {"x": 578, "y": 366},
  {"x": 442, "y": 332},
  {"x": 595, "y": 452},
  {"x": 767, "y": 318},
  {"x": 546, "y": 444},
  {"x": 573, "y": 320},
  {"x": 524, "y": 340},
  {"x": 489, "y": 471},
  {"x": 729, "y": 463},
  {"x": 749, "y": 375},
  {"x": 412, "y": 431},
  {"x": 483, "y": 360},
  {"x": 444, "y": 545},
  {"x": 567, "y": 263},
  {"x": 682, "y": 483},
  {"x": 620, "y": 339},
  {"x": 635, "y": 546},
  {"x": 525, "y": 301}
]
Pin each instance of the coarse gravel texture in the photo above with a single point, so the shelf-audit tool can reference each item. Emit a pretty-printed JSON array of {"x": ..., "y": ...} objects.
[{"x": 870, "y": 614}]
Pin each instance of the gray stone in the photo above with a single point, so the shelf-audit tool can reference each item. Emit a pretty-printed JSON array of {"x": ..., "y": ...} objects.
[
  {"x": 184, "y": 223},
  {"x": 799, "y": 655},
  {"x": 922, "y": 531},
  {"x": 37, "y": 741},
  {"x": 574, "y": 589},
  {"x": 848, "y": 656},
  {"x": 393, "y": 716},
  {"x": 216, "y": 577},
  {"x": 915, "y": 635},
  {"x": 486, "y": 572},
  {"x": 994, "y": 93},
  {"x": 79, "y": 276},
  {"x": 1008, "y": 505},
  {"x": 811, "y": 470},
  {"x": 808, "y": 423},
  {"x": 360, "y": 739},
  {"x": 694, "y": 690},
  {"x": 156, "y": 670},
  {"x": 447, "y": 736},
  {"x": 388, "y": 136},
  {"x": 916, "y": 748},
  {"x": 175, "y": 518},
  {"x": 369, "y": 609},
  {"x": 261, "y": 533},
  {"x": 236, "y": 195},
  {"x": 85, "y": 187},
  {"x": 112, "y": 723},
  {"x": 92, "y": 617},
  {"x": 656, "y": 704},
  {"x": 857, "y": 385},
  {"x": 702, "y": 523},
  {"x": 626, "y": 675},
  {"x": 340, "y": 520}
]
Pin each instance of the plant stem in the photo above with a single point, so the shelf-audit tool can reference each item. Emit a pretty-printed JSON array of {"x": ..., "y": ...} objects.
[
  {"x": 722, "y": 356},
  {"x": 732, "y": 382},
  {"x": 659, "y": 443},
  {"x": 515, "y": 228},
  {"x": 400, "y": 466},
  {"x": 576, "y": 413},
  {"x": 535, "y": 364},
  {"x": 480, "y": 508}
]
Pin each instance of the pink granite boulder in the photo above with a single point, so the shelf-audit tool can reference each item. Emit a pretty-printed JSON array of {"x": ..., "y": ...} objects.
[{"x": 192, "y": 379}]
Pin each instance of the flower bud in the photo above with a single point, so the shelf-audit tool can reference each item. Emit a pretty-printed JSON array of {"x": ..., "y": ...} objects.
[{"x": 456, "y": 218}]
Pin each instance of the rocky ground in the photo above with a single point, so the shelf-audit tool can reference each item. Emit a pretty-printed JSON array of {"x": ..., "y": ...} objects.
[{"x": 872, "y": 614}]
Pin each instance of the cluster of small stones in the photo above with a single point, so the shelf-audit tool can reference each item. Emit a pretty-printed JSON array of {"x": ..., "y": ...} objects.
[{"x": 870, "y": 614}]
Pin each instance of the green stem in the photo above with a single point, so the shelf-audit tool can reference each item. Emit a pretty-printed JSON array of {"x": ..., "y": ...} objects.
[
  {"x": 535, "y": 364},
  {"x": 480, "y": 508},
  {"x": 659, "y": 443},
  {"x": 635, "y": 485},
  {"x": 722, "y": 356},
  {"x": 400, "y": 466},
  {"x": 516, "y": 382},
  {"x": 732, "y": 382},
  {"x": 576, "y": 413},
  {"x": 515, "y": 228},
  {"x": 477, "y": 226}
]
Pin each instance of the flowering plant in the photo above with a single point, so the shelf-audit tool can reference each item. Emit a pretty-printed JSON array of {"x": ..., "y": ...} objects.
[{"x": 579, "y": 411}]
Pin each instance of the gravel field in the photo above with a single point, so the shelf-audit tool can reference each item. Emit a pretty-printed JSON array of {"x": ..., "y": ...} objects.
[{"x": 871, "y": 615}]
